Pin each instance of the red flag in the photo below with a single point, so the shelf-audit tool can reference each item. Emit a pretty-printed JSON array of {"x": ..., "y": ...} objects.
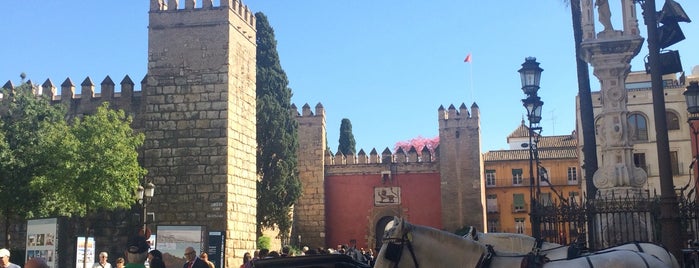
[{"x": 468, "y": 58}]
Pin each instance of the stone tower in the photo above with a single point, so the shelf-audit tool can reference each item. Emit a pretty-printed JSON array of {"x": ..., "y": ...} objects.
[
  {"x": 200, "y": 118},
  {"x": 463, "y": 190},
  {"x": 309, "y": 211}
]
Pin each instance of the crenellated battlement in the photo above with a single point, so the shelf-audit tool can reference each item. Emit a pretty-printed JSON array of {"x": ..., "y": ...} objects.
[
  {"x": 235, "y": 6},
  {"x": 452, "y": 117},
  {"x": 386, "y": 157},
  {"x": 306, "y": 110},
  {"x": 127, "y": 98}
]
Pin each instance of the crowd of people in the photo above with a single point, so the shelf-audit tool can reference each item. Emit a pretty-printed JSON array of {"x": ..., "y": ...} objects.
[
  {"x": 358, "y": 254},
  {"x": 137, "y": 254}
]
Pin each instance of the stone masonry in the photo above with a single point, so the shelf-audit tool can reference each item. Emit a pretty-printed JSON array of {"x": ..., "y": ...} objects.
[
  {"x": 463, "y": 194},
  {"x": 200, "y": 119}
]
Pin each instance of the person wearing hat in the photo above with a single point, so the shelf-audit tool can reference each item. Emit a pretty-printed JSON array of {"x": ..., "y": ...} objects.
[
  {"x": 5, "y": 259},
  {"x": 136, "y": 252}
]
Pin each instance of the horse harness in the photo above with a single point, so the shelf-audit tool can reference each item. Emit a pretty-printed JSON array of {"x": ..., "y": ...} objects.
[{"x": 394, "y": 249}]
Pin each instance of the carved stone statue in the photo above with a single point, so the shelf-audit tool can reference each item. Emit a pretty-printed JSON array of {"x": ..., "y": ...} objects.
[{"x": 604, "y": 14}]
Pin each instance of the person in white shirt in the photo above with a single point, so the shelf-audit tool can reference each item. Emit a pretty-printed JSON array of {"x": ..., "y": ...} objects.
[{"x": 102, "y": 261}]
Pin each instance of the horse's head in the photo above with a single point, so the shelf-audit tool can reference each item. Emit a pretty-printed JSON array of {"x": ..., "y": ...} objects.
[
  {"x": 396, "y": 238},
  {"x": 395, "y": 229}
]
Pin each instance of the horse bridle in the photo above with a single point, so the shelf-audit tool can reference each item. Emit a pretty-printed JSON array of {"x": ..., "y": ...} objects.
[{"x": 394, "y": 248}]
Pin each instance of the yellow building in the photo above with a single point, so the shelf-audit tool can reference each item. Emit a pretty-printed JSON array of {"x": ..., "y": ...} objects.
[
  {"x": 641, "y": 123},
  {"x": 507, "y": 179}
]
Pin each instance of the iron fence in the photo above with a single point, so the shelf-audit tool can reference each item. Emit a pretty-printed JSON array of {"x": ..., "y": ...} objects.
[{"x": 612, "y": 220}]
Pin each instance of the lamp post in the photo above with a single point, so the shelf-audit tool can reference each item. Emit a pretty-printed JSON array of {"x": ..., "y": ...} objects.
[
  {"x": 691, "y": 96},
  {"x": 669, "y": 208},
  {"x": 530, "y": 73},
  {"x": 145, "y": 196}
]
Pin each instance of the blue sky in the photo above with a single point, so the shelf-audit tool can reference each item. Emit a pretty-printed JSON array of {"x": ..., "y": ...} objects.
[{"x": 386, "y": 65}]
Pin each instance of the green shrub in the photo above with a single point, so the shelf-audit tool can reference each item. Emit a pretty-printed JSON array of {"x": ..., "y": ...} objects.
[{"x": 263, "y": 242}]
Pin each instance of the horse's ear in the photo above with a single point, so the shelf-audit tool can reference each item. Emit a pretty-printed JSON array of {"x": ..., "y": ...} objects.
[{"x": 473, "y": 233}]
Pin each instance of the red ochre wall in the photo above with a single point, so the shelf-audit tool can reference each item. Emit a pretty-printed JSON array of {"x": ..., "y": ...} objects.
[{"x": 350, "y": 204}]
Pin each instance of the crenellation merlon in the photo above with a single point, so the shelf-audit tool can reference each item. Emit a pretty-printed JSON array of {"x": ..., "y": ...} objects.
[
  {"x": 67, "y": 90},
  {"x": 306, "y": 110},
  {"x": 107, "y": 88},
  {"x": 400, "y": 156},
  {"x": 87, "y": 90},
  {"x": 8, "y": 85},
  {"x": 48, "y": 89}
]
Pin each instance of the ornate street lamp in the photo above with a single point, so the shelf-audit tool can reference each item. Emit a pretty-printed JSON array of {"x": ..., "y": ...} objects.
[
  {"x": 145, "y": 196},
  {"x": 530, "y": 73},
  {"x": 533, "y": 105}
]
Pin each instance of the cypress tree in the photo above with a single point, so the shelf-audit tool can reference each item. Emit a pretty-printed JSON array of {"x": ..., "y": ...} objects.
[
  {"x": 347, "y": 143},
  {"x": 279, "y": 186}
]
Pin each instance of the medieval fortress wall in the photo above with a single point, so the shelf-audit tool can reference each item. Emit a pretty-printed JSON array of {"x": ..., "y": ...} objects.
[{"x": 197, "y": 109}]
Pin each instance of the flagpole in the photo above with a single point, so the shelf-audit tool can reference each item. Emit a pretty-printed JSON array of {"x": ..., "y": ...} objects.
[
  {"x": 470, "y": 67},
  {"x": 470, "y": 78}
]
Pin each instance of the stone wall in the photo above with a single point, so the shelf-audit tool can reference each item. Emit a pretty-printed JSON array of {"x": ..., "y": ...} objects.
[
  {"x": 200, "y": 119},
  {"x": 460, "y": 168}
]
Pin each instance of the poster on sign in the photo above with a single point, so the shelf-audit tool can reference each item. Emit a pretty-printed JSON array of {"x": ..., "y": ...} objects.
[{"x": 41, "y": 240}]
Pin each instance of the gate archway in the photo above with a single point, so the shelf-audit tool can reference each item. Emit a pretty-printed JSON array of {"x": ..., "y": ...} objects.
[{"x": 380, "y": 229}]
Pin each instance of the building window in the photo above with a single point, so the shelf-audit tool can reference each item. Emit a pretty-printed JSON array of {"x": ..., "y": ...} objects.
[
  {"x": 517, "y": 177},
  {"x": 544, "y": 177},
  {"x": 639, "y": 159},
  {"x": 490, "y": 177},
  {"x": 572, "y": 175},
  {"x": 519, "y": 225},
  {"x": 638, "y": 128},
  {"x": 518, "y": 202},
  {"x": 493, "y": 226},
  {"x": 545, "y": 199},
  {"x": 674, "y": 163},
  {"x": 491, "y": 202},
  {"x": 673, "y": 122},
  {"x": 574, "y": 197}
]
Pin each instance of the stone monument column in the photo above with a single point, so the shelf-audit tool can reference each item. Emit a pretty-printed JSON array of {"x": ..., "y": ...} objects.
[{"x": 610, "y": 53}]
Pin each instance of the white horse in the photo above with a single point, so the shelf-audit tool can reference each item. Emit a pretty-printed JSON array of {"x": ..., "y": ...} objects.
[
  {"x": 407, "y": 245},
  {"x": 523, "y": 244}
]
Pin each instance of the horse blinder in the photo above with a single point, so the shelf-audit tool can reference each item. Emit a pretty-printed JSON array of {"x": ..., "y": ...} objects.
[{"x": 394, "y": 251}]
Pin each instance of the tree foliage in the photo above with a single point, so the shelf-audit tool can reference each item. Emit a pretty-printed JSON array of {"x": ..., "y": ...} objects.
[
  {"x": 278, "y": 186},
  {"x": 49, "y": 167},
  {"x": 419, "y": 143},
  {"x": 100, "y": 168},
  {"x": 27, "y": 124},
  {"x": 346, "y": 142}
]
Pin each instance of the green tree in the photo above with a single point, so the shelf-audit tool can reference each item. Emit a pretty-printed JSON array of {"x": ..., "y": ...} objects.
[
  {"x": 278, "y": 186},
  {"x": 347, "y": 143},
  {"x": 28, "y": 122},
  {"x": 100, "y": 168}
]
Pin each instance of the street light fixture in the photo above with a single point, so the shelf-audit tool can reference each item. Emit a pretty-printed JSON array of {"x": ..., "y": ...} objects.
[
  {"x": 530, "y": 74},
  {"x": 533, "y": 104},
  {"x": 145, "y": 196}
]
